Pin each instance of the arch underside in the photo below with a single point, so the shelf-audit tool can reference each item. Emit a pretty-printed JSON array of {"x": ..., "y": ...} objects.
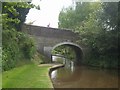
[{"x": 75, "y": 47}]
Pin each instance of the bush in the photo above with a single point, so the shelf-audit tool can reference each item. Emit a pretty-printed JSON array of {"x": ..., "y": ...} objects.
[
  {"x": 26, "y": 45},
  {"x": 16, "y": 46}
]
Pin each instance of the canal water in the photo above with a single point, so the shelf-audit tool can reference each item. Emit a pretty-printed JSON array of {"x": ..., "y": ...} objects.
[{"x": 72, "y": 76}]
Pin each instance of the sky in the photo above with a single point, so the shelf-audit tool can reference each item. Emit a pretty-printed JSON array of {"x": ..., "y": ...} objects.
[{"x": 48, "y": 13}]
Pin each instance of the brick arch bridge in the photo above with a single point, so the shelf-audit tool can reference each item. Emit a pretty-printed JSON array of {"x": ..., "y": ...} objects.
[
  {"x": 47, "y": 39},
  {"x": 74, "y": 46}
]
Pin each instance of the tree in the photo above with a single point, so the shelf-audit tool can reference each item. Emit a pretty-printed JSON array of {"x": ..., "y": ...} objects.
[
  {"x": 14, "y": 13},
  {"x": 70, "y": 17},
  {"x": 16, "y": 45},
  {"x": 97, "y": 25}
]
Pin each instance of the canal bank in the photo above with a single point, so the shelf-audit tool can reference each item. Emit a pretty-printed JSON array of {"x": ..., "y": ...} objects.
[{"x": 52, "y": 68}]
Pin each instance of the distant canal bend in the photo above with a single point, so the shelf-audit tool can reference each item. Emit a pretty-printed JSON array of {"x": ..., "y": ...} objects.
[{"x": 72, "y": 76}]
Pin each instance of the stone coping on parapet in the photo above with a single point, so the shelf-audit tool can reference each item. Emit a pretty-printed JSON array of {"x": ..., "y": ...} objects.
[
  {"x": 66, "y": 29},
  {"x": 54, "y": 67}
]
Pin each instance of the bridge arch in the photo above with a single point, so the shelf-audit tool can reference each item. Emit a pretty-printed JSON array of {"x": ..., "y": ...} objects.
[{"x": 78, "y": 50}]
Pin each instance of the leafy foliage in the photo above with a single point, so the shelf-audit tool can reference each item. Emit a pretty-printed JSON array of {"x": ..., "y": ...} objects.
[
  {"x": 66, "y": 51},
  {"x": 14, "y": 13},
  {"x": 97, "y": 25},
  {"x": 16, "y": 45}
]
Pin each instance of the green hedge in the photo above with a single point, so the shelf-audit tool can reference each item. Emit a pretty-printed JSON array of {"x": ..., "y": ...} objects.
[{"x": 16, "y": 46}]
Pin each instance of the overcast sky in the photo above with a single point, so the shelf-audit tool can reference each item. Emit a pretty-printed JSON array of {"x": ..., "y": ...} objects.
[{"x": 48, "y": 13}]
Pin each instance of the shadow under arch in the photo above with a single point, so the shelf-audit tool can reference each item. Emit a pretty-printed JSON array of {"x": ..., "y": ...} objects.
[{"x": 78, "y": 50}]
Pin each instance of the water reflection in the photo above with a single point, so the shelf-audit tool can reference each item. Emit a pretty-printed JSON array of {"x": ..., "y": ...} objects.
[
  {"x": 72, "y": 76},
  {"x": 69, "y": 65},
  {"x": 54, "y": 74},
  {"x": 57, "y": 59}
]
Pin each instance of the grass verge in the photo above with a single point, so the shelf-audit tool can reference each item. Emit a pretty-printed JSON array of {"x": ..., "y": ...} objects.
[{"x": 27, "y": 76}]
